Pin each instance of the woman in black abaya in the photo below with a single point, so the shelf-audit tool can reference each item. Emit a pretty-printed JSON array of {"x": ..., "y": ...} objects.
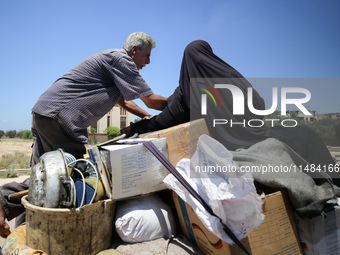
[{"x": 201, "y": 68}]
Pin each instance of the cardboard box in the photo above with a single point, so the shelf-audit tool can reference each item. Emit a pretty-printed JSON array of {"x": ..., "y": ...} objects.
[
  {"x": 320, "y": 234},
  {"x": 135, "y": 170},
  {"x": 182, "y": 139},
  {"x": 276, "y": 235}
]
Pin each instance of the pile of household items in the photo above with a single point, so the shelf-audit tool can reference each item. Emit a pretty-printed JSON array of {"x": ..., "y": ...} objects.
[{"x": 179, "y": 191}]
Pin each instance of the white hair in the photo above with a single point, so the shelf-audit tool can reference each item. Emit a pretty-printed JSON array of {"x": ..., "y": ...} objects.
[{"x": 140, "y": 39}]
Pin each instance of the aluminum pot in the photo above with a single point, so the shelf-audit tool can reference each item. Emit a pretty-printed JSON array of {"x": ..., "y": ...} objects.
[{"x": 50, "y": 183}]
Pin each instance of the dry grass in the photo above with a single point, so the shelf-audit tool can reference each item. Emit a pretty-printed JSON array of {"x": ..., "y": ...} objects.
[
  {"x": 16, "y": 160},
  {"x": 14, "y": 154}
]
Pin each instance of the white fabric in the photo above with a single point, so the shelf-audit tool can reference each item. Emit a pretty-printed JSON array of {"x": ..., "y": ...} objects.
[
  {"x": 232, "y": 196},
  {"x": 143, "y": 219}
]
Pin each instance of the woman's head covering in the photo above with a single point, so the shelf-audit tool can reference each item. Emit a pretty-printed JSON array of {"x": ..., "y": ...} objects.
[
  {"x": 199, "y": 61},
  {"x": 201, "y": 69}
]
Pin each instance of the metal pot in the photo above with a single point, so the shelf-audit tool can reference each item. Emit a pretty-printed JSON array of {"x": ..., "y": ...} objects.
[{"x": 50, "y": 183}]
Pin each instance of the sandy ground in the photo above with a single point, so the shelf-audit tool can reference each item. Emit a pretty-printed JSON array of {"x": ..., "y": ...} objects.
[
  {"x": 8, "y": 146},
  {"x": 20, "y": 178}
]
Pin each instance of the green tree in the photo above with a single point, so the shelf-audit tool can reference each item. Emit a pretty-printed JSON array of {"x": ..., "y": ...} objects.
[
  {"x": 18, "y": 134},
  {"x": 11, "y": 133},
  {"x": 26, "y": 134},
  {"x": 93, "y": 130},
  {"x": 112, "y": 132},
  {"x": 2, "y": 133}
]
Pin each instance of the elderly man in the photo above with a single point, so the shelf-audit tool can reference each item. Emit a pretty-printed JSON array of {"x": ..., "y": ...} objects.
[
  {"x": 78, "y": 99},
  {"x": 88, "y": 91}
]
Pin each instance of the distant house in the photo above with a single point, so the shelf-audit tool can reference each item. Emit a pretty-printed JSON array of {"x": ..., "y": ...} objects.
[
  {"x": 307, "y": 118},
  {"x": 116, "y": 117},
  {"x": 299, "y": 115}
]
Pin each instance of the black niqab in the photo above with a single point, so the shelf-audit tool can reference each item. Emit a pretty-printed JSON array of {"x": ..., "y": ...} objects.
[{"x": 199, "y": 61}]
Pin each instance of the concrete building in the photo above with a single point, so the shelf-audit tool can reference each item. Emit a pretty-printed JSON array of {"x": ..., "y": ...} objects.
[
  {"x": 116, "y": 117},
  {"x": 309, "y": 118}
]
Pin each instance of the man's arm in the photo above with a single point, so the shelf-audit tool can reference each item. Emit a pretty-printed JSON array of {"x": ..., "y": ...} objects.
[
  {"x": 133, "y": 108},
  {"x": 155, "y": 102}
]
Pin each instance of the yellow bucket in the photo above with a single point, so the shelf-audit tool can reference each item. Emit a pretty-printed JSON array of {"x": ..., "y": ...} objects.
[{"x": 65, "y": 231}]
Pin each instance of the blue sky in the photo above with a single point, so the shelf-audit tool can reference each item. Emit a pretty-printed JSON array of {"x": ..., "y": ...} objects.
[{"x": 42, "y": 40}]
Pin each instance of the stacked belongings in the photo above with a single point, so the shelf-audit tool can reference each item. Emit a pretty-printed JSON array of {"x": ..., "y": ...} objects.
[
  {"x": 247, "y": 215},
  {"x": 300, "y": 192},
  {"x": 215, "y": 197},
  {"x": 137, "y": 178},
  {"x": 64, "y": 213},
  {"x": 231, "y": 210},
  {"x": 230, "y": 202},
  {"x": 311, "y": 192}
]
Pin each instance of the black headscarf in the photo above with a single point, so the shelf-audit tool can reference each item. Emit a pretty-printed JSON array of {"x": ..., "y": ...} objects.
[{"x": 199, "y": 61}]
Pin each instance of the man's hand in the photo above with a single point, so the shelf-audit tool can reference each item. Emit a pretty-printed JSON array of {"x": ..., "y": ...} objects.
[
  {"x": 126, "y": 131},
  {"x": 147, "y": 117},
  {"x": 4, "y": 227}
]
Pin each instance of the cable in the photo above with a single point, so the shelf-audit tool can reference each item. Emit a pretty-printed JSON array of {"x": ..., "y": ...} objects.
[
  {"x": 84, "y": 188},
  {"x": 97, "y": 184}
]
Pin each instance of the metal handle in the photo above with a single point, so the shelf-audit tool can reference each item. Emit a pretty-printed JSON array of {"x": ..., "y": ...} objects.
[{"x": 69, "y": 187}]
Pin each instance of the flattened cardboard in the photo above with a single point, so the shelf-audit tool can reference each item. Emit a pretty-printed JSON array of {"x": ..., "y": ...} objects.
[
  {"x": 182, "y": 139},
  {"x": 276, "y": 235}
]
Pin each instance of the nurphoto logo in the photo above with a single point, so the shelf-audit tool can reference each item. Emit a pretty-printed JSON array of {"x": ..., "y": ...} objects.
[{"x": 238, "y": 106}]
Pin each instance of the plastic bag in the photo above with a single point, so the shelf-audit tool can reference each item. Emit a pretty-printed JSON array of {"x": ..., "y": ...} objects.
[
  {"x": 143, "y": 219},
  {"x": 230, "y": 193}
]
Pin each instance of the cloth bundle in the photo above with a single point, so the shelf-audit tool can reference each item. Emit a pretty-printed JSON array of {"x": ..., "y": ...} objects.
[{"x": 308, "y": 191}]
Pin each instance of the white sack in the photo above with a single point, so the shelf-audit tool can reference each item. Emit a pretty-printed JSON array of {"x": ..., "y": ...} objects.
[
  {"x": 143, "y": 219},
  {"x": 231, "y": 195}
]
